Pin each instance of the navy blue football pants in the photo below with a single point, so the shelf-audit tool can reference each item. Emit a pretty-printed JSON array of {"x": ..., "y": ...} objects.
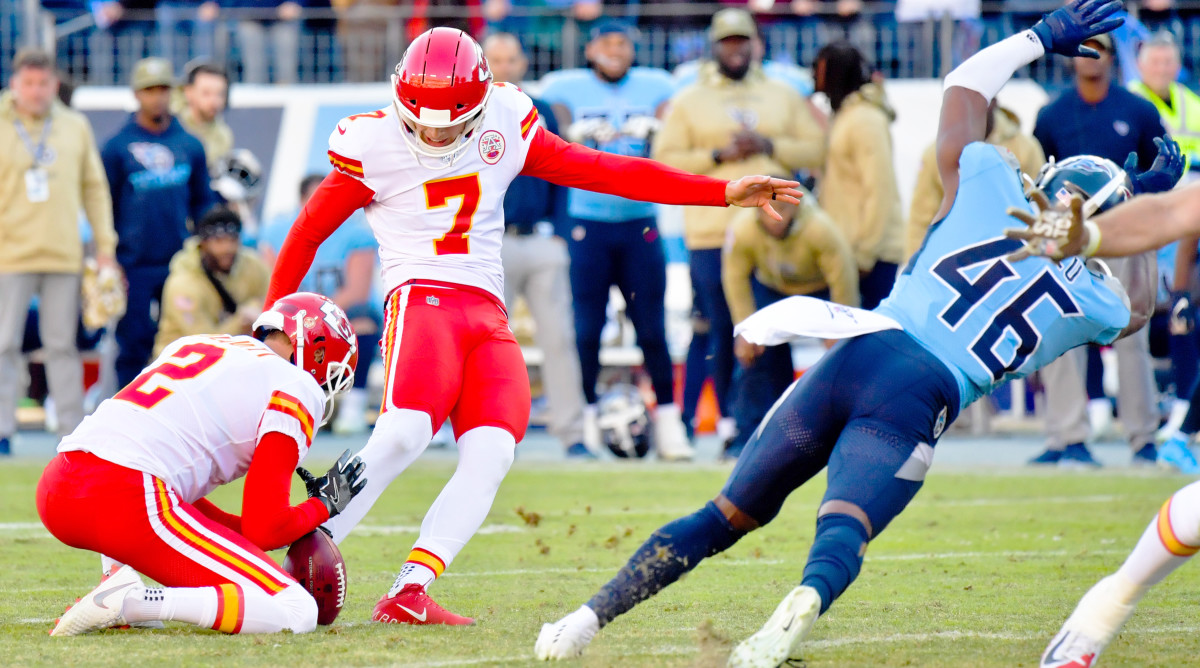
[
  {"x": 630, "y": 256},
  {"x": 710, "y": 305},
  {"x": 136, "y": 329},
  {"x": 864, "y": 410}
]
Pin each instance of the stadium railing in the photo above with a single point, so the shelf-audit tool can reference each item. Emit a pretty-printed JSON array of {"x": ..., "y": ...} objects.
[{"x": 669, "y": 33}]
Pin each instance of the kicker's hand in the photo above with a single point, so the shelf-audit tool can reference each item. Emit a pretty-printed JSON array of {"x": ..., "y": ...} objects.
[
  {"x": 1055, "y": 231},
  {"x": 1164, "y": 172},
  {"x": 338, "y": 486},
  {"x": 1064, "y": 30},
  {"x": 758, "y": 191}
]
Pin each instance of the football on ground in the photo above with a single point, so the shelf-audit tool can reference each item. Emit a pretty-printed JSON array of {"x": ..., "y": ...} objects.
[
  {"x": 980, "y": 571},
  {"x": 316, "y": 562}
]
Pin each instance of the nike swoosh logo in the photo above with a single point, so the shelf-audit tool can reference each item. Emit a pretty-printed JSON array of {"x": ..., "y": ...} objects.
[
  {"x": 102, "y": 594},
  {"x": 341, "y": 130},
  {"x": 420, "y": 617},
  {"x": 789, "y": 624}
]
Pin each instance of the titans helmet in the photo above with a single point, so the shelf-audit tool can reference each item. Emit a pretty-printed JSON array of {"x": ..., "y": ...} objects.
[
  {"x": 624, "y": 422},
  {"x": 1100, "y": 181}
]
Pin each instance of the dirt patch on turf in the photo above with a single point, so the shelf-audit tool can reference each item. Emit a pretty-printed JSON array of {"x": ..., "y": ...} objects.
[{"x": 713, "y": 644}]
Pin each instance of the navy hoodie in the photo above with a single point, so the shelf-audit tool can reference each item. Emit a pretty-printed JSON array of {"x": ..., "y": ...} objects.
[{"x": 158, "y": 181}]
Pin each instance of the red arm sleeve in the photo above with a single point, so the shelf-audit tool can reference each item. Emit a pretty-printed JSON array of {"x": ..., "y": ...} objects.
[
  {"x": 577, "y": 166},
  {"x": 269, "y": 520},
  {"x": 337, "y": 197},
  {"x": 212, "y": 512}
]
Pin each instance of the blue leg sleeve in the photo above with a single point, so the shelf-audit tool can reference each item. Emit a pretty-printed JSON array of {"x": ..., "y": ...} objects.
[
  {"x": 670, "y": 552},
  {"x": 836, "y": 556}
]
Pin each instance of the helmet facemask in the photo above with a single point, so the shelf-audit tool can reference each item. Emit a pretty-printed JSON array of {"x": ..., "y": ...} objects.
[{"x": 443, "y": 157}]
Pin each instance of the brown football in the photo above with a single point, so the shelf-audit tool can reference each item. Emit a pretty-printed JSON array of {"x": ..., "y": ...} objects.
[{"x": 316, "y": 562}]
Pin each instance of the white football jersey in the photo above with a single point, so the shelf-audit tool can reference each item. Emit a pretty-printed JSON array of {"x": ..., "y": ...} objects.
[
  {"x": 444, "y": 225},
  {"x": 194, "y": 416}
]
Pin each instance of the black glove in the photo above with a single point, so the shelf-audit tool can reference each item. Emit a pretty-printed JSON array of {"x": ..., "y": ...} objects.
[
  {"x": 338, "y": 486},
  {"x": 1064, "y": 30},
  {"x": 1164, "y": 172}
]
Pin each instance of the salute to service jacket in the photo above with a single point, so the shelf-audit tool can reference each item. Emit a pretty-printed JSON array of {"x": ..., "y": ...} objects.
[
  {"x": 859, "y": 189},
  {"x": 927, "y": 197},
  {"x": 44, "y": 236},
  {"x": 190, "y": 303},
  {"x": 813, "y": 256},
  {"x": 704, "y": 117}
]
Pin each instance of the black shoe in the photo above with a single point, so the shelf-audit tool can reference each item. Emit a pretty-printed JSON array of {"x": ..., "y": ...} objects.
[{"x": 1076, "y": 455}]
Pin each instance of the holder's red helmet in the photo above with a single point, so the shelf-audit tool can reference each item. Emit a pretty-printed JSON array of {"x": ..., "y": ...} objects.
[
  {"x": 323, "y": 338},
  {"x": 442, "y": 80}
]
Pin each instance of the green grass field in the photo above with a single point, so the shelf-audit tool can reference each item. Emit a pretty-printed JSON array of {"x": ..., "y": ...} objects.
[{"x": 980, "y": 571}]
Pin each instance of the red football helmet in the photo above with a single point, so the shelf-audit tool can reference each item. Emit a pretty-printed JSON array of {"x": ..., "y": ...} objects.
[
  {"x": 324, "y": 340},
  {"x": 442, "y": 80}
]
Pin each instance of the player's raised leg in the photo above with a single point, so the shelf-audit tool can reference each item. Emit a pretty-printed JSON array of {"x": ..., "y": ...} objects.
[
  {"x": 770, "y": 468},
  {"x": 490, "y": 417},
  {"x": 1170, "y": 540},
  {"x": 217, "y": 578},
  {"x": 422, "y": 376}
]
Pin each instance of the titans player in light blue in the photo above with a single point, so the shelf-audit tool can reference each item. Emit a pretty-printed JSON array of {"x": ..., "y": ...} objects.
[
  {"x": 960, "y": 320},
  {"x": 614, "y": 107}
]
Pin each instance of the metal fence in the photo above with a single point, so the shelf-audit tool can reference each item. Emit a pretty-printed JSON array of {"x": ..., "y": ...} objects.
[{"x": 332, "y": 47}]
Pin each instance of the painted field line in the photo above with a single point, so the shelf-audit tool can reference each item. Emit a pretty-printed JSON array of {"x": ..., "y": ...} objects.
[{"x": 904, "y": 556}]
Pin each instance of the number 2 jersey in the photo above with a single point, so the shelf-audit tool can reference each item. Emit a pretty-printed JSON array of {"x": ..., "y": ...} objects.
[
  {"x": 986, "y": 318},
  {"x": 195, "y": 415}
]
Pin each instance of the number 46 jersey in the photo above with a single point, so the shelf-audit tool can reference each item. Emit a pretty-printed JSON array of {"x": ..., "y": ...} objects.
[
  {"x": 986, "y": 318},
  {"x": 435, "y": 220},
  {"x": 195, "y": 415}
]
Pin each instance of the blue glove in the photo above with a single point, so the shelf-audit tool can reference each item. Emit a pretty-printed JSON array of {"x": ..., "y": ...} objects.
[
  {"x": 1064, "y": 30},
  {"x": 1164, "y": 172}
]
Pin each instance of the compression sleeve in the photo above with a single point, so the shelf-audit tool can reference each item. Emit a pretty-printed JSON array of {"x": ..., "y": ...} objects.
[
  {"x": 335, "y": 200},
  {"x": 269, "y": 520},
  {"x": 986, "y": 72},
  {"x": 577, "y": 166}
]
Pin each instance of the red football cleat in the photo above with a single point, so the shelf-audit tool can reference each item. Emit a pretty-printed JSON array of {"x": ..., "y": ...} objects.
[{"x": 413, "y": 606}]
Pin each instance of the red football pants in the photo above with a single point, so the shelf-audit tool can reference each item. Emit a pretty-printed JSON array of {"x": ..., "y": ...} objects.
[
  {"x": 448, "y": 352},
  {"x": 135, "y": 518}
]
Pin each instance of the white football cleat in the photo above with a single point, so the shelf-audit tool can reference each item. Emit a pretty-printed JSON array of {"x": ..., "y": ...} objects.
[
  {"x": 568, "y": 637},
  {"x": 778, "y": 639},
  {"x": 1071, "y": 649},
  {"x": 101, "y": 607}
]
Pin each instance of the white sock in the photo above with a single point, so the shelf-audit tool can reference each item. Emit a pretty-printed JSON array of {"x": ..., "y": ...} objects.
[
  {"x": 1168, "y": 542},
  {"x": 227, "y": 608},
  {"x": 484, "y": 457},
  {"x": 726, "y": 428},
  {"x": 412, "y": 573},
  {"x": 108, "y": 565},
  {"x": 399, "y": 437}
]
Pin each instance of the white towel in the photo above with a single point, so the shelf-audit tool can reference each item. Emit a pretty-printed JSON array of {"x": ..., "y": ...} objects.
[{"x": 795, "y": 317}]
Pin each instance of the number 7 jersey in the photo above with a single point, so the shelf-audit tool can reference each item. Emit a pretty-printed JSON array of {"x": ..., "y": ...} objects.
[
  {"x": 439, "y": 224},
  {"x": 986, "y": 318},
  {"x": 195, "y": 415}
]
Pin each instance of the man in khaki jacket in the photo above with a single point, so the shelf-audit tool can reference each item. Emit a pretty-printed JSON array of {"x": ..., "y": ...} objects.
[
  {"x": 216, "y": 286},
  {"x": 733, "y": 121},
  {"x": 50, "y": 169},
  {"x": 858, "y": 188},
  {"x": 766, "y": 260},
  {"x": 1005, "y": 131},
  {"x": 205, "y": 95}
]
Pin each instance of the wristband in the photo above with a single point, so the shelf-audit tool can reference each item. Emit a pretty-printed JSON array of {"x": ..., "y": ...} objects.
[{"x": 1093, "y": 238}]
